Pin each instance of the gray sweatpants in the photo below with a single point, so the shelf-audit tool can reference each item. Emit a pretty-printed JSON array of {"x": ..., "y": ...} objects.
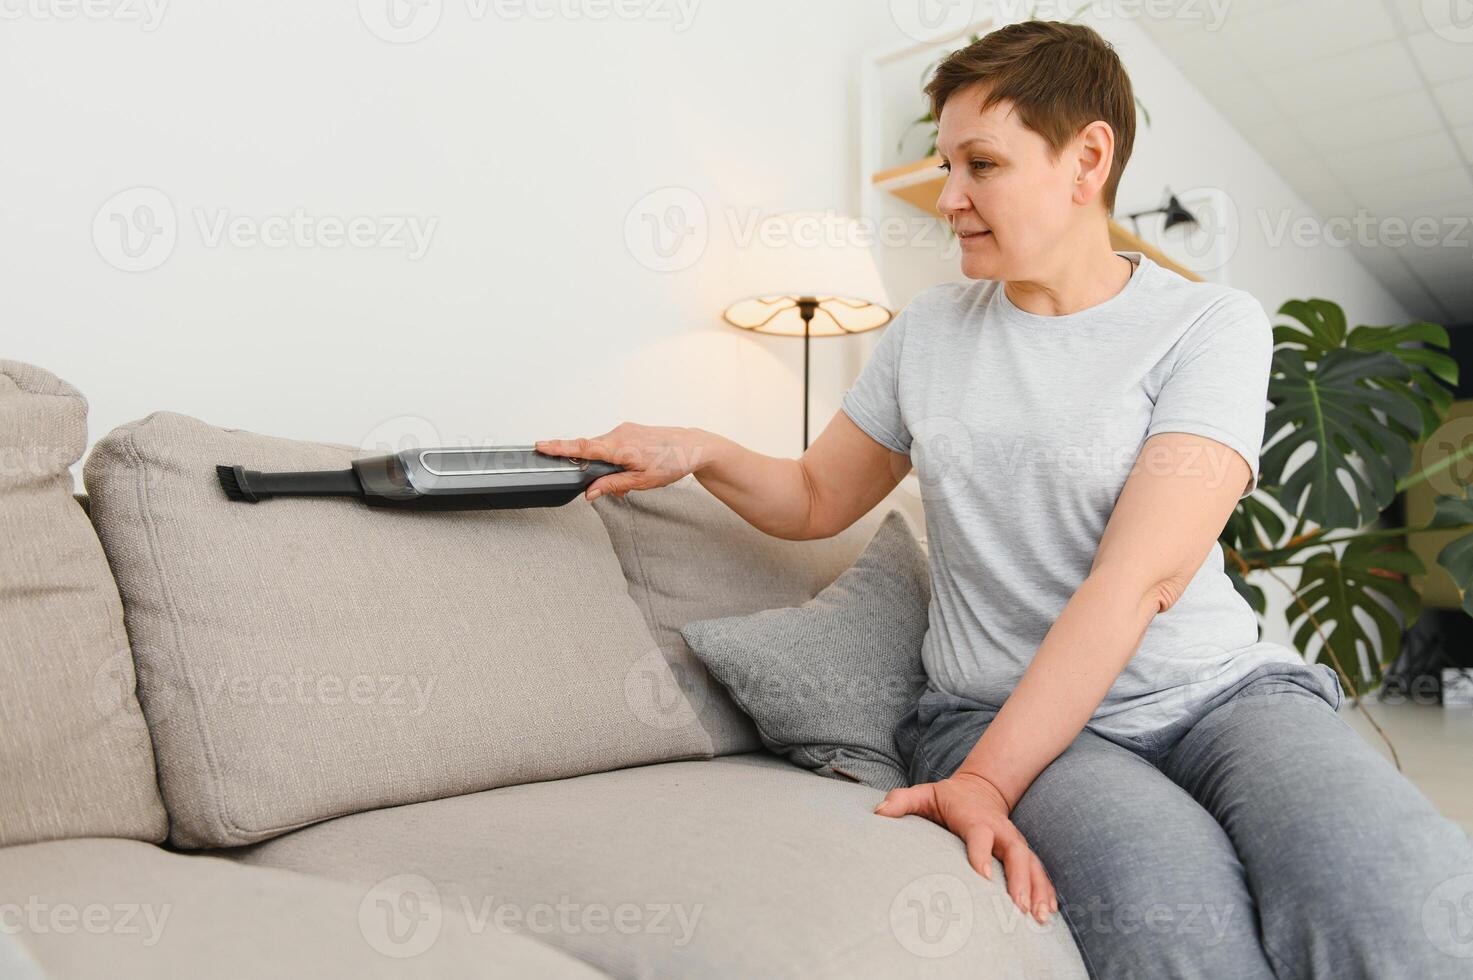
[{"x": 1261, "y": 837}]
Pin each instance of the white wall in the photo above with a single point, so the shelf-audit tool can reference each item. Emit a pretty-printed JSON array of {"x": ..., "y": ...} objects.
[
  {"x": 520, "y": 145},
  {"x": 526, "y": 142}
]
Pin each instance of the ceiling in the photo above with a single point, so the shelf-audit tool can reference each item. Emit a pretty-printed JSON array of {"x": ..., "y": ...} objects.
[{"x": 1362, "y": 106}]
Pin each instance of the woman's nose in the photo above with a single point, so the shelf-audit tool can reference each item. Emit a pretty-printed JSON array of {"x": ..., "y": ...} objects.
[{"x": 952, "y": 200}]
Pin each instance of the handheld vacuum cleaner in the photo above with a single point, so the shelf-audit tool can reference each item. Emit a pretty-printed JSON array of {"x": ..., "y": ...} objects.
[{"x": 491, "y": 477}]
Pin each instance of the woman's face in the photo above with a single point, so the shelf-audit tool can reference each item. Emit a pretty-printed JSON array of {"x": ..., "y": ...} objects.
[{"x": 1008, "y": 200}]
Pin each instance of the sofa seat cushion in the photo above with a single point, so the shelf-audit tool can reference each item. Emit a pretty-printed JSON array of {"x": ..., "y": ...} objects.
[
  {"x": 75, "y": 756},
  {"x": 688, "y": 556},
  {"x": 302, "y": 658},
  {"x": 119, "y": 909},
  {"x": 743, "y": 865}
]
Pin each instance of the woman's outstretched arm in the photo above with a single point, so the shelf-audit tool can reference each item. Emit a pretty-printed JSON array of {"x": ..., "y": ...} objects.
[{"x": 1179, "y": 495}]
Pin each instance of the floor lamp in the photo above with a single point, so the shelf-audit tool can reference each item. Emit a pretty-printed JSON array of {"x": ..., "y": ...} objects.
[{"x": 817, "y": 277}]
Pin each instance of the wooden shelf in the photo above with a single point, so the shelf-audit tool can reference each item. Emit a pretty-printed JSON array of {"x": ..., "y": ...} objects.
[{"x": 919, "y": 185}]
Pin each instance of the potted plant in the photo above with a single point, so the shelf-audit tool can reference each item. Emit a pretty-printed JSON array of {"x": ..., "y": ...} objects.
[{"x": 1363, "y": 399}]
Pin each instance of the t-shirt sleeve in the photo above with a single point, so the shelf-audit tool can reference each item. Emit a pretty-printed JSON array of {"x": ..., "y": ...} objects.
[
  {"x": 1218, "y": 387},
  {"x": 873, "y": 401}
]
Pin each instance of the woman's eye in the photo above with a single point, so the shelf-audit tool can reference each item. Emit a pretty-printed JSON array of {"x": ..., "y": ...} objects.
[{"x": 977, "y": 165}]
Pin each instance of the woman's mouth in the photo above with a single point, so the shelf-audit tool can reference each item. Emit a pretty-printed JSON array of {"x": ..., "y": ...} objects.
[{"x": 973, "y": 236}]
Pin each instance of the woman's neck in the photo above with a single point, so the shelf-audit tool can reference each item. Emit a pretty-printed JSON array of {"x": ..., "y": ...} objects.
[{"x": 1084, "y": 278}]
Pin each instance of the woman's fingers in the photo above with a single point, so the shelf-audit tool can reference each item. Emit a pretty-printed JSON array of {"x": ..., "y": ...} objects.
[
  {"x": 979, "y": 850},
  {"x": 980, "y": 820},
  {"x": 1043, "y": 891},
  {"x": 908, "y": 799},
  {"x": 576, "y": 448},
  {"x": 1015, "y": 864}
]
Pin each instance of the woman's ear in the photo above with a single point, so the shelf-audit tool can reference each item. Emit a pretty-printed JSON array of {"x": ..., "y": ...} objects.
[{"x": 1093, "y": 156}]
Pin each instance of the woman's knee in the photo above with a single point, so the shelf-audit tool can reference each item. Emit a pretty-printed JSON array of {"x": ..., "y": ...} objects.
[
  {"x": 1147, "y": 880},
  {"x": 1355, "y": 872}
]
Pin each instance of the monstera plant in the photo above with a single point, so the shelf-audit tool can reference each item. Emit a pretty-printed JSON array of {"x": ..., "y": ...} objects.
[{"x": 1362, "y": 399}]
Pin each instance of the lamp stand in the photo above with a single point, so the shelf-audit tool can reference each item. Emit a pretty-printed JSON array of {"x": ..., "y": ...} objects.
[{"x": 807, "y": 306}]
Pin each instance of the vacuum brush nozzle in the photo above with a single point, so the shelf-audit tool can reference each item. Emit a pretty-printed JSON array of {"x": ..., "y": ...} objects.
[{"x": 254, "y": 486}]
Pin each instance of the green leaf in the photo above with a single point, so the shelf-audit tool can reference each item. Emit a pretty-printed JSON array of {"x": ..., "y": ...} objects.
[
  {"x": 1335, "y": 588},
  {"x": 1253, "y": 525},
  {"x": 1428, "y": 367},
  {"x": 1332, "y": 408},
  {"x": 1252, "y": 593},
  {"x": 900, "y": 144},
  {"x": 1324, "y": 327},
  {"x": 1457, "y": 555},
  {"x": 1386, "y": 338}
]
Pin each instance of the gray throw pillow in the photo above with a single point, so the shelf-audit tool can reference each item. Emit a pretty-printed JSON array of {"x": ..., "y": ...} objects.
[{"x": 827, "y": 682}]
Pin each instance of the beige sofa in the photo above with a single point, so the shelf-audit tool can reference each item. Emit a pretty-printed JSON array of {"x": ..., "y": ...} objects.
[{"x": 310, "y": 738}]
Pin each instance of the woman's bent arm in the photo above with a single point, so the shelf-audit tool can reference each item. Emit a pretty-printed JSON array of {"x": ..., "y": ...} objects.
[
  {"x": 1165, "y": 523},
  {"x": 841, "y": 477},
  {"x": 773, "y": 495}
]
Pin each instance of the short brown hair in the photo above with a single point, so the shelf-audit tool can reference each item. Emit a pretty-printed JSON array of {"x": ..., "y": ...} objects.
[{"x": 1059, "y": 76}]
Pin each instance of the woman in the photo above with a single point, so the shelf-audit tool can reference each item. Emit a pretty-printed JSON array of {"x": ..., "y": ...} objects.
[{"x": 1099, "y": 711}]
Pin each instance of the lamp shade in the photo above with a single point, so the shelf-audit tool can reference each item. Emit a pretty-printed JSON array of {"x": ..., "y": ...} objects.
[{"x": 816, "y": 259}]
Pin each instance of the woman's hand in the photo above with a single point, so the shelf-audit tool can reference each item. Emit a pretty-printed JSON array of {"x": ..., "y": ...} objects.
[
  {"x": 652, "y": 456},
  {"x": 973, "y": 809}
]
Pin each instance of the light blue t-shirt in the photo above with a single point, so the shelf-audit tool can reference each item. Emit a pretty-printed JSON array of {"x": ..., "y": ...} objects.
[{"x": 1023, "y": 428}]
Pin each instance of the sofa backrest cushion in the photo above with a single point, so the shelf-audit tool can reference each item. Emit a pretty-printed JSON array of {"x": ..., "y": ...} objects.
[
  {"x": 300, "y": 658},
  {"x": 687, "y": 556},
  {"x": 75, "y": 758}
]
